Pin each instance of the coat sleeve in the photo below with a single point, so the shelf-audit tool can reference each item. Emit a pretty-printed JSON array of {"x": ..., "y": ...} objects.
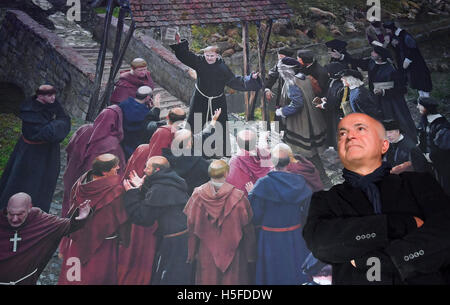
[
  {"x": 427, "y": 249},
  {"x": 258, "y": 207},
  {"x": 184, "y": 55},
  {"x": 337, "y": 239},
  {"x": 139, "y": 209},
  {"x": 241, "y": 83},
  {"x": 248, "y": 230},
  {"x": 53, "y": 132},
  {"x": 272, "y": 77},
  {"x": 297, "y": 101}
]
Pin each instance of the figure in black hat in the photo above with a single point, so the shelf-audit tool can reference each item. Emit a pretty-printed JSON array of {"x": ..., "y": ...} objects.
[
  {"x": 403, "y": 154},
  {"x": 409, "y": 59},
  {"x": 434, "y": 133},
  {"x": 311, "y": 67},
  {"x": 331, "y": 102},
  {"x": 273, "y": 76},
  {"x": 338, "y": 52},
  {"x": 389, "y": 87},
  {"x": 360, "y": 98}
]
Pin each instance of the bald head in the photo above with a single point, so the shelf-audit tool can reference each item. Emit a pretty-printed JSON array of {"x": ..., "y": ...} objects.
[
  {"x": 176, "y": 114},
  {"x": 182, "y": 139},
  {"x": 246, "y": 139},
  {"x": 19, "y": 206},
  {"x": 155, "y": 164},
  {"x": 105, "y": 165},
  {"x": 218, "y": 169},
  {"x": 280, "y": 155},
  {"x": 143, "y": 93},
  {"x": 46, "y": 94},
  {"x": 361, "y": 143}
]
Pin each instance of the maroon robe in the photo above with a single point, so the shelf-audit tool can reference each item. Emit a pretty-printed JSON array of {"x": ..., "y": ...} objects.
[
  {"x": 40, "y": 235},
  {"x": 136, "y": 260},
  {"x": 305, "y": 168},
  {"x": 245, "y": 168},
  {"x": 88, "y": 142},
  {"x": 221, "y": 235},
  {"x": 93, "y": 244},
  {"x": 128, "y": 84}
]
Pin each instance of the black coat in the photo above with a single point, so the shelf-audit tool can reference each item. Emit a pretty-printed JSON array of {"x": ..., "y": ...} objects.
[
  {"x": 418, "y": 74},
  {"x": 342, "y": 226},
  {"x": 193, "y": 169},
  {"x": 162, "y": 198},
  {"x": 34, "y": 168},
  {"x": 320, "y": 74},
  {"x": 406, "y": 150},
  {"x": 435, "y": 140}
]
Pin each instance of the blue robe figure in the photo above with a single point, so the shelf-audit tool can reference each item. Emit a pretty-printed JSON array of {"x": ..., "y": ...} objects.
[
  {"x": 34, "y": 165},
  {"x": 136, "y": 117},
  {"x": 280, "y": 202}
]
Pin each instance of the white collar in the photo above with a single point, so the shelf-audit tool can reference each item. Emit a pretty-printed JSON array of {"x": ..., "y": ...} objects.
[
  {"x": 380, "y": 63},
  {"x": 401, "y": 137},
  {"x": 432, "y": 117},
  {"x": 397, "y": 32}
]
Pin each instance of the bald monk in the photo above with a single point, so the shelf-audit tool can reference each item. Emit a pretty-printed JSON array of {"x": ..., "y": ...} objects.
[
  {"x": 250, "y": 163},
  {"x": 33, "y": 167},
  {"x": 97, "y": 243},
  {"x": 130, "y": 80},
  {"x": 160, "y": 196},
  {"x": 401, "y": 220},
  {"x": 135, "y": 261},
  {"x": 221, "y": 235},
  {"x": 29, "y": 237},
  {"x": 192, "y": 168}
]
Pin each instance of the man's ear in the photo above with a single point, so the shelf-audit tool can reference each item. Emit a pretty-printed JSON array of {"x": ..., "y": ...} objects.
[{"x": 385, "y": 146}]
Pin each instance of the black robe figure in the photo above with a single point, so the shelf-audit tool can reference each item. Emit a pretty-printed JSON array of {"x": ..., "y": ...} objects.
[
  {"x": 334, "y": 96},
  {"x": 392, "y": 101},
  {"x": 34, "y": 165},
  {"x": 162, "y": 198},
  {"x": 342, "y": 226},
  {"x": 193, "y": 169},
  {"x": 434, "y": 133},
  {"x": 417, "y": 72},
  {"x": 406, "y": 150},
  {"x": 209, "y": 93}
]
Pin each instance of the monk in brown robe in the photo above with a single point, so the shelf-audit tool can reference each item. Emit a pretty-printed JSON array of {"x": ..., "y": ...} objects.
[
  {"x": 29, "y": 237},
  {"x": 221, "y": 236},
  {"x": 130, "y": 80},
  {"x": 97, "y": 243}
]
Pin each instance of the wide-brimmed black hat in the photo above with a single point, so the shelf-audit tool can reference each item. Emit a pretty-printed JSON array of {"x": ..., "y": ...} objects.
[
  {"x": 306, "y": 56},
  {"x": 335, "y": 68},
  {"x": 429, "y": 103},
  {"x": 350, "y": 72},
  {"x": 286, "y": 52},
  {"x": 376, "y": 23},
  {"x": 336, "y": 44},
  {"x": 389, "y": 25},
  {"x": 391, "y": 125},
  {"x": 384, "y": 53},
  {"x": 289, "y": 61}
]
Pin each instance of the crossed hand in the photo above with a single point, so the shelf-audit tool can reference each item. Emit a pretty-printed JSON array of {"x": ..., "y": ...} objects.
[{"x": 133, "y": 182}]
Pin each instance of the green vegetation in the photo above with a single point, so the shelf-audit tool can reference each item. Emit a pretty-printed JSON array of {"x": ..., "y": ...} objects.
[
  {"x": 102, "y": 10},
  {"x": 10, "y": 130}
]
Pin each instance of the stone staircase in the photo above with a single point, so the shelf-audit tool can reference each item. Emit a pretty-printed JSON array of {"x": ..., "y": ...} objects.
[{"x": 82, "y": 42}]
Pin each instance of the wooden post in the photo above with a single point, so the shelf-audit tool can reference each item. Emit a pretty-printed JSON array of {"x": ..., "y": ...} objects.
[
  {"x": 263, "y": 41},
  {"x": 94, "y": 102},
  {"x": 115, "y": 60},
  {"x": 245, "y": 52}
]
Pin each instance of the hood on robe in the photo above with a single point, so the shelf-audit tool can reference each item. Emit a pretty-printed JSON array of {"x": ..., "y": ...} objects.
[
  {"x": 282, "y": 187},
  {"x": 162, "y": 184},
  {"x": 218, "y": 205}
]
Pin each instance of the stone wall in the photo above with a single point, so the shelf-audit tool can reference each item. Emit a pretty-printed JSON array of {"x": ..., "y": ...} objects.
[{"x": 30, "y": 56}]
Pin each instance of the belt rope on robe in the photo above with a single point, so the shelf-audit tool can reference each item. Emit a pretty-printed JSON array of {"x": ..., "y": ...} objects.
[
  {"x": 344, "y": 97},
  {"x": 210, "y": 98},
  {"x": 292, "y": 228},
  {"x": 111, "y": 237},
  {"x": 18, "y": 281},
  {"x": 175, "y": 234},
  {"x": 32, "y": 142}
]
